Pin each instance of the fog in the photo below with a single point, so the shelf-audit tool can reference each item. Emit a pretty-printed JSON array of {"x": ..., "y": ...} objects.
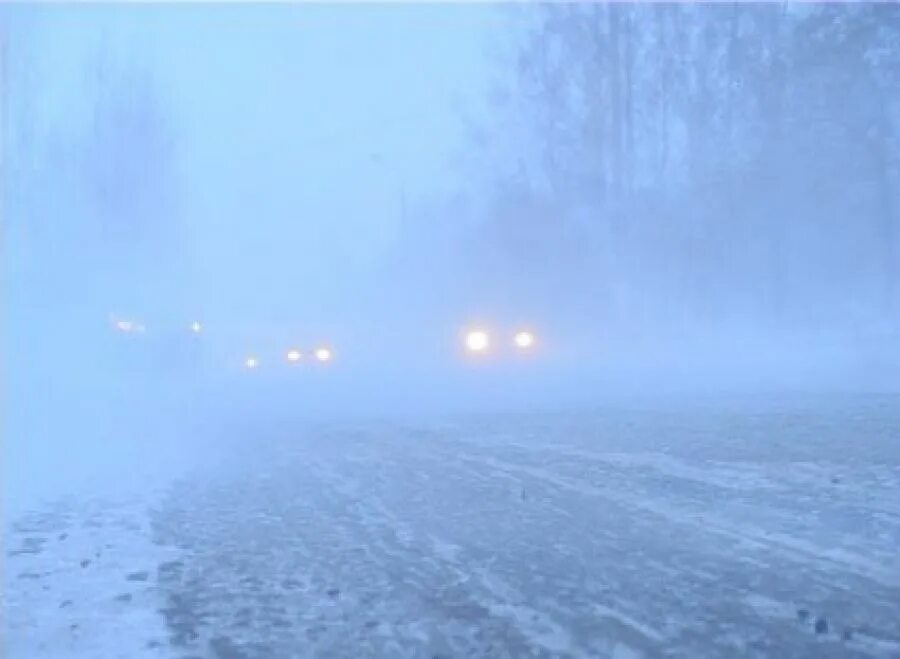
[
  {"x": 685, "y": 204},
  {"x": 694, "y": 198}
]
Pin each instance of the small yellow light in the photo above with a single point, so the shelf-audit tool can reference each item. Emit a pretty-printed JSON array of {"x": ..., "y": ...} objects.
[
  {"x": 196, "y": 327},
  {"x": 524, "y": 340},
  {"x": 251, "y": 362},
  {"x": 477, "y": 341},
  {"x": 293, "y": 355},
  {"x": 323, "y": 354}
]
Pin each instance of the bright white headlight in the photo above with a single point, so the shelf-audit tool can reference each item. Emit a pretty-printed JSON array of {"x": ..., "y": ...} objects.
[
  {"x": 524, "y": 340},
  {"x": 251, "y": 362},
  {"x": 323, "y": 354},
  {"x": 477, "y": 341},
  {"x": 293, "y": 355},
  {"x": 196, "y": 327}
]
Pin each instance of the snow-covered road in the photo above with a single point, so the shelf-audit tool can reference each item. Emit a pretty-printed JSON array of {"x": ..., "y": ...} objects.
[{"x": 759, "y": 529}]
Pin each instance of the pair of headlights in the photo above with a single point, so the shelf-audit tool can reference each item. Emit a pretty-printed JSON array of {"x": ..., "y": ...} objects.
[
  {"x": 293, "y": 356},
  {"x": 480, "y": 340}
]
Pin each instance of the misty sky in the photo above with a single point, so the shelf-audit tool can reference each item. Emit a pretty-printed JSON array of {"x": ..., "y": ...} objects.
[
  {"x": 250, "y": 165},
  {"x": 295, "y": 130}
]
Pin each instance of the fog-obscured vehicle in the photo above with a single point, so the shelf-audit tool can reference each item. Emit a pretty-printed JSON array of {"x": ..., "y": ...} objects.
[{"x": 157, "y": 349}]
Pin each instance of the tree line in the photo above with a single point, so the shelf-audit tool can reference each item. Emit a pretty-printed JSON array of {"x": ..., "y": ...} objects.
[{"x": 702, "y": 163}]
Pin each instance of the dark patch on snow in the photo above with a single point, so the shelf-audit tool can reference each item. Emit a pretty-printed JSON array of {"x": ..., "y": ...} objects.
[
  {"x": 30, "y": 545},
  {"x": 169, "y": 569},
  {"x": 34, "y": 543},
  {"x": 182, "y": 633},
  {"x": 803, "y": 614},
  {"x": 224, "y": 648},
  {"x": 29, "y": 575},
  {"x": 183, "y": 618},
  {"x": 847, "y": 635},
  {"x": 143, "y": 575},
  {"x": 85, "y": 562},
  {"x": 124, "y": 597},
  {"x": 65, "y": 603},
  {"x": 45, "y": 522},
  {"x": 821, "y": 626},
  {"x": 252, "y": 581},
  {"x": 62, "y": 536}
]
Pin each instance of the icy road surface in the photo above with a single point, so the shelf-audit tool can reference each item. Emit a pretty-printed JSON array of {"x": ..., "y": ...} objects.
[{"x": 702, "y": 530}]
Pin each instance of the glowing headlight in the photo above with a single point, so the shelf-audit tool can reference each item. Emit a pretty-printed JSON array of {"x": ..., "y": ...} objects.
[
  {"x": 477, "y": 341},
  {"x": 251, "y": 362},
  {"x": 524, "y": 340},
  {"x": 128, "y": 326},
  {"x": 196, "y": 327},
  {"x": 293, "y": 355},
  {"x": 323, "y": 354}
]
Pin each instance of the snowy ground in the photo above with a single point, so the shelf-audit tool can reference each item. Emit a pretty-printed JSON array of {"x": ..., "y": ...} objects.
[{"x": 762, "y": 528}]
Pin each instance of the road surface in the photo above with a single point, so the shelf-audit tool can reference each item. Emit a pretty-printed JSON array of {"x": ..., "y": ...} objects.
[{"x": 759, "y": 529}]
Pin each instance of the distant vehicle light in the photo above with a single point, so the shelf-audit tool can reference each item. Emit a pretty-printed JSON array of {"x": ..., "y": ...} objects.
[
  {"x": 196, "y": 327},
  {"x": 323, "y": 354},
  {"x": 128, "y": 326},
  {"x": 477, "y": 341},
  {"x": 293, "y": 356},
  {"x": 251, "y": 362},
  {"x": 524, "y": 340}
]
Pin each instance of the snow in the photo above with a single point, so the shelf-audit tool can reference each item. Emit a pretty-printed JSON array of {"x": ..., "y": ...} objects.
[
  {"x": 80, "y": 582},
  {"x": 613, "y": 533}
]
